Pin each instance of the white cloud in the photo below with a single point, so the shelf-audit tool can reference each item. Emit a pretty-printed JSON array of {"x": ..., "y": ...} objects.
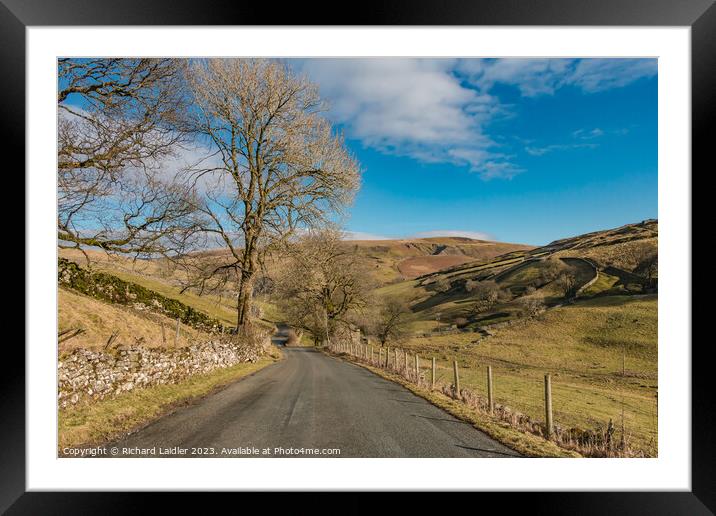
[
  {"x": 475, "y": 235},
  {"x": 541, "y": 151},
  {"x": 412, "y": 107},
  {"x": 535, "y": 77},
  {"x": 594, "y": 75},
  {"x": 360, "y": 235},
  {"x": 588, "y": 134},
  {"x": 439, "y": 110}
]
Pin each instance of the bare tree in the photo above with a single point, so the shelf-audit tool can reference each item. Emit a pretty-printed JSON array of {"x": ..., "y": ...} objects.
[
  {"x": 645, "y": 257},
  {"x": 390, "y": 320},
  {"x": 117, "y": 120},
  {"x": 486, "y": 294},
  {"x": 566, "y": 282},
  {"x": 323, "y": 282},
  {"x": 551, "y": 269},
  {"x": 279, "y": 167},
  {"x": 442, "y": 285},
  {"x": 531, "y": 306}
]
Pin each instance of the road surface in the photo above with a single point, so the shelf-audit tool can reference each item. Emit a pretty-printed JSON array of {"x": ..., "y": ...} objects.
[{"x": 311, "y": 404}]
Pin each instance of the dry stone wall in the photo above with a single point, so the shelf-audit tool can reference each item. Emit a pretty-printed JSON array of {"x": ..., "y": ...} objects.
[
  {"x": 87, "y": 375},
  {"x": 112, "y": 289}
]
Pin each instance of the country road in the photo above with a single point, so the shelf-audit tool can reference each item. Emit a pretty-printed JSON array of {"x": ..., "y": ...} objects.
[{"x": 311, "y": 401}]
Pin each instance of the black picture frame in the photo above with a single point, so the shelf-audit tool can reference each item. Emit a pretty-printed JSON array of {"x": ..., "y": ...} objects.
[{"x": 17, "y": 15}]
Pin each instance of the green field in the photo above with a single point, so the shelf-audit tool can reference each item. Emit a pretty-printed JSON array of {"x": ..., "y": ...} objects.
[{"x": 601, "y": 353}]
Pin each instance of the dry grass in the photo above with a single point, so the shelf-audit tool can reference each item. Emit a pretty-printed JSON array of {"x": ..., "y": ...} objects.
[
  {"x": 103, "y": 421},
  {"x": 524, "y": 443},
  {"x": 582, "y": 346},
  {"x": 393, "y": 260},
  {"x": 153, "y": 275},
  {"x": 99, "y": 320},
  {"x": 615, "y": 255},
  {"x": 419, "y": 265}
]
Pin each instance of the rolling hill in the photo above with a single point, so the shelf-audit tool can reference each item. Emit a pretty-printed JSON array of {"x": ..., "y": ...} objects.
[
  {"x": 600, "y": 263},
  {"x": 599, "y": 342},
  {"x": 395, "y": 260}
]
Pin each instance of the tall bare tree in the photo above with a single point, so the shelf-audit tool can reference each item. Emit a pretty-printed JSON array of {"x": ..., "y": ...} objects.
[
  {"x": 644, "y": 259},
  {"x": 117, "y": 120},
  {"x": 390, "y": 320},
  {"x": 277, "y": 166},
  {"x": 322, "y": 284}
]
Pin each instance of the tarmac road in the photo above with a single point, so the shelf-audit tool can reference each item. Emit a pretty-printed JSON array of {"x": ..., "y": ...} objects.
[{"x": 311, "y": 401}]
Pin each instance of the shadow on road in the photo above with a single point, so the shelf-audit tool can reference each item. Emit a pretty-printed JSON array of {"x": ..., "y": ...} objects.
[
  {"x": 442, "y": 419},
  {"x": 486, "y": 450}
]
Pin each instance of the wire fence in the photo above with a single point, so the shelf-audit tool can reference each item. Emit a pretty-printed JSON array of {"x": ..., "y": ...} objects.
[{"x": 602, "y": 420}]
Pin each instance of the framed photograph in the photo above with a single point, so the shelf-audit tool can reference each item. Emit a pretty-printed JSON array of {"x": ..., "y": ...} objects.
[{"x": 417, "y": 250}]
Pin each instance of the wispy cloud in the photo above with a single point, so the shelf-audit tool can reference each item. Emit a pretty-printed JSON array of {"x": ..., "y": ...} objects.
[
  {"x": 413, "y": 107},
  {"x": 475, "y": 235},
  {"x": 535, "y": 77},
  {"x": 588, "y": 134},
  {"x": 541, "y": 151},
  {"x": 441, "y": 110},
  {"x": 360, "y": 235}
]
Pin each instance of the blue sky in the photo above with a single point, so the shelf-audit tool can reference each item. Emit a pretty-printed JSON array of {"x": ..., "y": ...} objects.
[{"x": 517, "y": 150}]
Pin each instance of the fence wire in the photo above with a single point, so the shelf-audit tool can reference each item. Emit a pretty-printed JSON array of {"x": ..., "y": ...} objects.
[{"x": 600, "y": 420}]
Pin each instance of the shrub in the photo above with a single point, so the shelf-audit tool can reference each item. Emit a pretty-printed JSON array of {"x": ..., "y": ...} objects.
[
  {"x": 111, "y": 289},
  {"x": 461, "y": 322},
  {"x": 531, "y": 306},
  {"x": 292, "y": 339}
]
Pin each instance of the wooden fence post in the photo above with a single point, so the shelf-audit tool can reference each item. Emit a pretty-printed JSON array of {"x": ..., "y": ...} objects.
[
  {"x": 395, "y": 359},
  {"x": 387, "y": 357},
  {"x": 417, "y": 369},
  {"x": 176, "y": 337},
  {"x": 490, "y": 399},
  {"x": 372, "y": 355},
  {"x": 432, "y": 377},
  {"x": 457, "y": 378},
  {"x": 548, "y": 405},
  {"x": 405, "y": 361}
]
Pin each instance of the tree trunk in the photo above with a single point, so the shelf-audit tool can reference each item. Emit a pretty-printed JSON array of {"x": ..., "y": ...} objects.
[
  {"x": 246, "y": 290},
  {"x": 325, "y": 328},
  {"x": 246, "y": 284}
]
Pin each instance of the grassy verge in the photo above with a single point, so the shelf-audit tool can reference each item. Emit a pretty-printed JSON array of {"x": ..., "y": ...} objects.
[
  {"x": 149, "y": 274},
  {"x": 92, "y": 424},
  {"x": 524, "y": 443},
  {"x": 602, "y": 355},
  {"x": 99, "y": 320}
]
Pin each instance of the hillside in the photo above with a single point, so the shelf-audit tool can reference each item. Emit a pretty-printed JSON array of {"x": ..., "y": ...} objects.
[
  {"x": 602, "y": 354},
  {"x": 596, "y": 335},
  {"x": 395, "y": 260},
  {"x": 99, "y": 321},
  {"x": 390, "y": 260},
  {"x": 600, "y": 263},
  {"x": 157, "y": 277}
]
